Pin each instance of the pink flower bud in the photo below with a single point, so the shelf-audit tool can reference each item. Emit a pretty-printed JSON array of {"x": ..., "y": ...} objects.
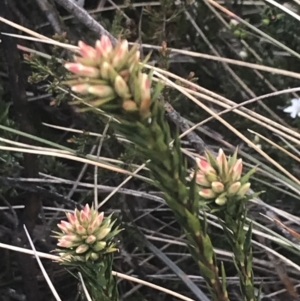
[
  {"x": 80, "y": 229},
  {"x": 204, "y": 166},
  {"x": 72, "y": 218},
  {"x": 221, "y": 156},
  {"x": 65, "y": 243},
  {"x": 96, "y": 223},
  {"x": 71, "y": 237},
  {"x": 84, "y": 218},
  {"x": 87, "y": 210},
  {"x": 207, "y": 193},
  {"x": 98, "y": 48},
  {"x": 145, "y": 93},
  {"x": 222, "y": 164},
  {"x": 121, "y": 87},
  {"x": 82, "y": 70},
  {"x": 217, "y": 187},
  {"x": 85, "y": 61},
  {"x": 233, "y": 188},
  {"x": 121, "y": 54},
  {"x": 91, "y": 239},
  {"x": 77, "y": 214},
  {"x": 81, "y": 249},
  {"x": 87, "y": 51},
  {"x": 65, "y": 227},
  {"x": 236, "y": 170},
  {"x": 101, "y": 91},
  {"x": 81, "y": 88},
  {"x": 105, "y": 46},
  {"x": 100, "y": 245},
  {"x": 201, "y": 180},
  {"x": 243, "y": 190}
]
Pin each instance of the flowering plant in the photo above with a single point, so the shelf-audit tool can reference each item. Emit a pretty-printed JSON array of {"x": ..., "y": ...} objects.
[
  {"x": 220, "y": 180},
  {"x": 86, "y": 242},
  {"x": 111, "y": 78},
  {"x": 294, "y": 108}
]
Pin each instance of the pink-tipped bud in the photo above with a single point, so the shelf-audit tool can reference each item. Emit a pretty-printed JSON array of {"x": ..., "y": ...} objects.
[
  {"x": 81, "y": 249},
  {"x": 65, "y": 243},
  {"x": 221, "y": 200},
  {"x": 99, "y": 246},
  {"x": 221, "y": 156},
  {"x": 105, "y": 46},
  {"x": 236, "y": 170},
  {"x": 72, "y": 218},
  {"x": 87, "y": 51},
  {"x": 80, "y": 88},
  {"x": 98, "y": 48},
  {"x": 82, "y": 70},
  {"x": 207, "y": 193},
  {"x": 233, "y": 188},
  {"x": 101, "y": 91},
  {"x": 87, "y": 210},
  {"x": 121, "y": 54},
  {"x": 71, "y": 237},
  {"x": 91, "y": 239},
  {"x": 222, "y": 164},
  {"x": 145, "y": 87},
  {"x": 243, "y": 190},
  {"x": 103, "y": 233},
  {"x": 65, "y": 227},
  {"x": 84, "y": 218},
  {"x": 121, "y": 87},
  {"x": 204, "y": 166},
  {"x": 217, "y": 187},
  {"x": 80, "y": 229},
  {"x": 201, "y": 179},
  {"x": 96, "y": 223}
]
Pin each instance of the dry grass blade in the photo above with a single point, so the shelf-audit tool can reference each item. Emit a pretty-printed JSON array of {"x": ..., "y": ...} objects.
[
  {"x": 117, "y": 274},
  {"x": 71, "y": 157},
  {"x": 86, "y": 293},
  {"x": 48, "y": 280},
  {"x": 276, "y": 145}
]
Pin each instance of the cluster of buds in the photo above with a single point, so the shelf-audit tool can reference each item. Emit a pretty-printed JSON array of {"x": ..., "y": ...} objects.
[
  {"x": 85, "y": 236},
  {"x": 221, "y": 180},
  {"x": 111, "y": 78}
]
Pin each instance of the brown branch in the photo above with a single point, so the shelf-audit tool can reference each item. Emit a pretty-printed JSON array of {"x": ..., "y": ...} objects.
[{"x": 83, "y": 16}]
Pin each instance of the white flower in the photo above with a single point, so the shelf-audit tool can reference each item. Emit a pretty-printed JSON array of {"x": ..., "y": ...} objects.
[{"x": 294, "y": 108}]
